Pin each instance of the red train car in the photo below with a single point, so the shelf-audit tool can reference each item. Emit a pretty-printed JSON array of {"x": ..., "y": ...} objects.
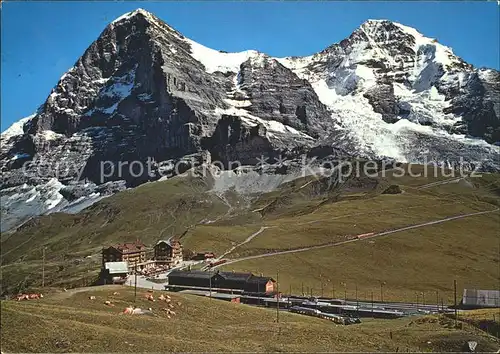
[
  {"x": 213, "y": 264},
  {"x": 369, "y": 234}
]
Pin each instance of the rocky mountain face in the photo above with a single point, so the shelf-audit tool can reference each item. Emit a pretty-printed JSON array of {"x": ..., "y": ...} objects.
[
  {"x": 143, "y": 92},
  {"x": 402, "y": 95}
]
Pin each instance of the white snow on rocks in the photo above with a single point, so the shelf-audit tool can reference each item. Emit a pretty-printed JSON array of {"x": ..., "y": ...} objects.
[
  {"x": 444, "y": 54},
  {"x": 51, "y": 189},
  {"x": 16, "y": 128},
  {"x": 50, "y": 135},
  {"x": 130, "y": 14},
  {"x": 122, "y": 86},
  {"x": 214, "y": 60},
  {"x": 271, "y": 126},
  {"x": 119, "y": 89},
  {"x": 342, "y": 86},
  {"x": 425, "y": 106},
  {"x": 355, "y": 115},
  {"x": 20, "y": 156}
]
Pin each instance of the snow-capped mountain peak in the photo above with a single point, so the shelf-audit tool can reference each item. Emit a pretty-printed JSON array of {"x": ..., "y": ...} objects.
[
  {"x": 131, "y": 14},
  {"x": 17, "y": 128},
  {"x": 142, "y": 90}
]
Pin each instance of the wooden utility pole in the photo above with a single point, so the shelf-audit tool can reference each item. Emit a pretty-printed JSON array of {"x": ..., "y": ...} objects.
[
  {"x": 210, "y": 282},
  {"x": 302, "y": 288},
  {"x": 135, "y": 285},
  {"x": 290, "y": 296},
  {"x": 455, "y": 301},
  {"x": 372, "y": 303},
  {"x": 278, "y": 300},
  {"x": 357, "y": 302},
  {"x": 43, "y": 267},
  {"x": 333, "y": 291}
]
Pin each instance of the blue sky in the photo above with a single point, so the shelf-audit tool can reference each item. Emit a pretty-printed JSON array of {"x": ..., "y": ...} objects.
[{"x": 42, "y": 40}]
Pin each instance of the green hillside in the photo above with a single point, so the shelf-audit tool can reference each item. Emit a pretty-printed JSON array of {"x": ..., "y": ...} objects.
[
  {"x": 302, "y": 213},
  {"x": 71, "y": 322}
]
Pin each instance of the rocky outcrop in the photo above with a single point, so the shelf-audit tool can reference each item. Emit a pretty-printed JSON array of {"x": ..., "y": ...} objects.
[
  {"x": 233, "y": 140},
  {"x": 383, "y": 101},
  {"x": 276, "y": 93},
  {"x": 479, "y": 106}
]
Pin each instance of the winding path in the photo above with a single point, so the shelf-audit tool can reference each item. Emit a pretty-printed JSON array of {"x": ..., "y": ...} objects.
[
  {"x": 248, "y": 239},
  {"x": 438, "y": 183},
  {"x": 356, "y": 239}
]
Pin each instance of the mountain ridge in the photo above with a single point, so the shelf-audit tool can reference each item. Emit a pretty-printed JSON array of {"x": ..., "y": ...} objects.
[{"x": 142, "y": 90}]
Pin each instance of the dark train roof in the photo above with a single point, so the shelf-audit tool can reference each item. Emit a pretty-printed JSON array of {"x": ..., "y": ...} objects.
[
  {"x": 198, "y": 274},
  {"x": 236, "y": 276},
  {"x": 230, "y": 276}
]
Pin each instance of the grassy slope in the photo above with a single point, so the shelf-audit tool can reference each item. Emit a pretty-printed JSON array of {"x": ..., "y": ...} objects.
[
  {"x": 424, "y": 260},
  {"x": 67, "y": 322},
  {"x": 487, "y": 320},
  {"x": 334, "y": 222},
  {"x": 149, "y": 213},
  {"x": 300, "y": 214}
]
